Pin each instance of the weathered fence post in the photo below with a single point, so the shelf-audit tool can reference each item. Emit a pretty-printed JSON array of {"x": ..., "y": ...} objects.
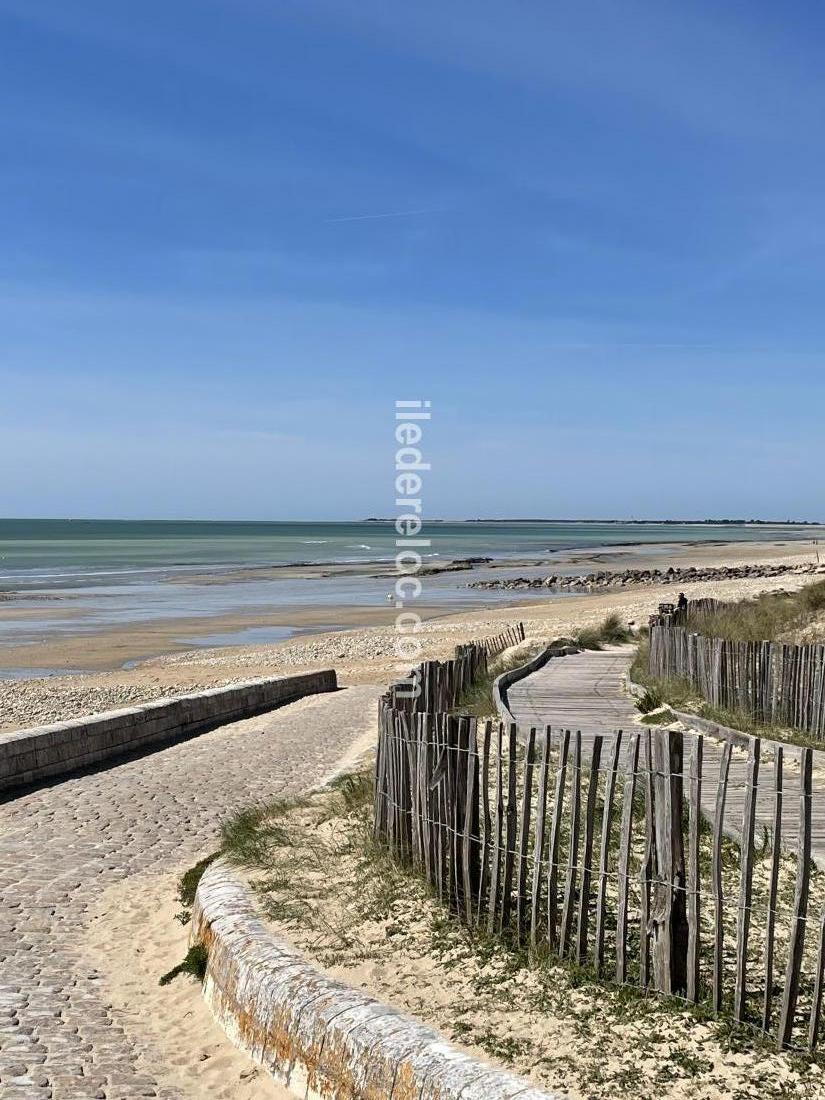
[
  {"x": 800, "y": 914},
  {"x": 538, "y": 843},
  {"x": 625, "y": 843},
  {"x": 693, "y": 870},
  {"x": 716, "y": 872},
  {"x": 743, "y": 922},
  {"x": 668, "y": 916},
  {"x": 776, "y": 855},
  {"x": 648, "y": 861},
  {"x": 604, "y": 856},
  {"x": 555, "y": 841}
]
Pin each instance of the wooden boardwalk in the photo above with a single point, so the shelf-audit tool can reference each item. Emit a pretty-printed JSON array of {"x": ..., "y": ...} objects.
[
  {"x": 587, "y": 692},
  {"x": 582, "y": 692}
]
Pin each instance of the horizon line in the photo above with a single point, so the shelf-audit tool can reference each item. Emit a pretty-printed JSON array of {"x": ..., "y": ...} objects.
[{"x": 708, "y": 521}]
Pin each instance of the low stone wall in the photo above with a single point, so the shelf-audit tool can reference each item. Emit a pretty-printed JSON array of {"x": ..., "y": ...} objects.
[
  {"x": 27, "y": 756},
  {"x": 739, "y": 738},
  {"x": 319, "y": 1037}
]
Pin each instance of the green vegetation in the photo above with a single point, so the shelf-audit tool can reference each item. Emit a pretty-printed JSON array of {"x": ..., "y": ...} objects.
[
  {"x": 249, "y": 835},
  {"x": 339, "y": 894},
  {"x": 650, "y": 700},
  {"x": 301, "y": 845},
  {"x": 194, "y": 964},
  {"x": 188, "y": 885},
  {"x": 477, "y": 699},
  {"x": 612, "y": 631},
  {"x": 661, "y": 717},
  {"x": 773, "y": 612},
  {"x": 770, "y": 617}
]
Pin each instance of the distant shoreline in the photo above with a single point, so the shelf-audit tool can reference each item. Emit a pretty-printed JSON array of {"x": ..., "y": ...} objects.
[
  {"x": 432, "y": 519},
  {"x": 99, "y": 662},
  {"x": 625, "y": 522}
]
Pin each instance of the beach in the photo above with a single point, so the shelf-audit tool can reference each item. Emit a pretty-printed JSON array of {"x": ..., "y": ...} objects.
[{"x": 362, "y": 646}]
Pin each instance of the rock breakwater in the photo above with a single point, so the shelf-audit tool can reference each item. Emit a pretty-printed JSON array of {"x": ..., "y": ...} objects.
[{"x": 605, "y": 579}]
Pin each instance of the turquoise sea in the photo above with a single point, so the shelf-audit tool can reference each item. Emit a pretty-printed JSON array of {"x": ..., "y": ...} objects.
[
  {"x": 45, "y": 553},
  {"x": 74, "y": 577}
]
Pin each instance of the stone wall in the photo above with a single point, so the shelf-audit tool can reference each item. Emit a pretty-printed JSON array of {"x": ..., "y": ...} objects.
[
  {"x": 27, "y": 756},
  {"x": 317, "y": 1036}
]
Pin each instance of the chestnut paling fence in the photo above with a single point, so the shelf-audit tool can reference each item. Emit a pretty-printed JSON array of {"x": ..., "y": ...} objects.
[
  {"x": 438, "y": 685},
  {"x": 657, "y": 859},
  {"x": 773, "y": 682}
]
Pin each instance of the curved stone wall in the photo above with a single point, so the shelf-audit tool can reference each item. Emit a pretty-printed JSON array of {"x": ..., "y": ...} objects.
[{"x": 317, "y": 1036}]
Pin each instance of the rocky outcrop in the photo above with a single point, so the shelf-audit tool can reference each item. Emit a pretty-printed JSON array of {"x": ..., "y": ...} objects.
[{"x": 651, "y": 577}]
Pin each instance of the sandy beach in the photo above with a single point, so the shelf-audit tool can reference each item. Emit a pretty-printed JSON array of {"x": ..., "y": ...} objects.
[
  {"x": 362, "y": 651},
  {"x": 132, "y": 937}
]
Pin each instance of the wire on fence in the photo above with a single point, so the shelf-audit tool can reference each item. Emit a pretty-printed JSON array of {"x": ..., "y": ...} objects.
[
  {"x": 774, "y": 682},
  {"x": 619, "y": 858}
]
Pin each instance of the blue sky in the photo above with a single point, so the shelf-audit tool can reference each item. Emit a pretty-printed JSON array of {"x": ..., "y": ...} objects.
[{"x": 232, "y": 234}]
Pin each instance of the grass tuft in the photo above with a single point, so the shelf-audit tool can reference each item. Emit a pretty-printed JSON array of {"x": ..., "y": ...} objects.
[
  {"x": 611, "y": 631},
  {"x": 661, "y": 717},
  {"x": 478, "y": 698},
  {"x": 249, "y": 835},
  {"x": 188, "y": 883},
  {"x": 194, "y": 964},
  {"x": 651, "y": 700}
]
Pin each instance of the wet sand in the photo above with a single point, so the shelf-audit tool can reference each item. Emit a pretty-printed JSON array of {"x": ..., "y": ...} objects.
[
  {"x": 109, "y": 648},
  {"x": 360, "y": 653}
]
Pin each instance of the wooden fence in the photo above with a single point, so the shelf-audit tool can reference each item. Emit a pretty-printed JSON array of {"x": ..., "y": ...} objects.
[
  {"x": 438, "y": 685},
  {"x": 775, "y": 683},
  {"x": 658, "y": 861}
]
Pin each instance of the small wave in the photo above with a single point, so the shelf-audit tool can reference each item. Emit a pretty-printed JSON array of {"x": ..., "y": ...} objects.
[
  {"x": 313, "y": 542},
  {"x": 358, "y": 546},
  {"x": 33, "y": 575}
]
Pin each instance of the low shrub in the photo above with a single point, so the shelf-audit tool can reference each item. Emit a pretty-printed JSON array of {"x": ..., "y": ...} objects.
[{"x": 611, "y": 631}]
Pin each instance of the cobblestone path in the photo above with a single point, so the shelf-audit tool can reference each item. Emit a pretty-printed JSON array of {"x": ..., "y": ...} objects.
[{"x": 62, "y": 845}]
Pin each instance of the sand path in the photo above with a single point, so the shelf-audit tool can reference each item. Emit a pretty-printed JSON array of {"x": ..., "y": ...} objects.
[{"x": 88, "y": 866}]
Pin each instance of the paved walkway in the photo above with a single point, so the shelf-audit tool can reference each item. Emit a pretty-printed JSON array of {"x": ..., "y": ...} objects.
[
  {"x": 586, "y": 691},
  {"x": 62, "y": 845}
]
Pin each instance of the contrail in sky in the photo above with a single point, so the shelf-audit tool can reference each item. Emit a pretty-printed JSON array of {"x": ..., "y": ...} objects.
[{"x": 371, "y": 217}]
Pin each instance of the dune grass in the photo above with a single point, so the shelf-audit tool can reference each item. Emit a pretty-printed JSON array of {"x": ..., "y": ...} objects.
[
  {"x": 766, "y": 618},
  {"x": 478, "y": 698},
  {"x": 611, "y": 631}
]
